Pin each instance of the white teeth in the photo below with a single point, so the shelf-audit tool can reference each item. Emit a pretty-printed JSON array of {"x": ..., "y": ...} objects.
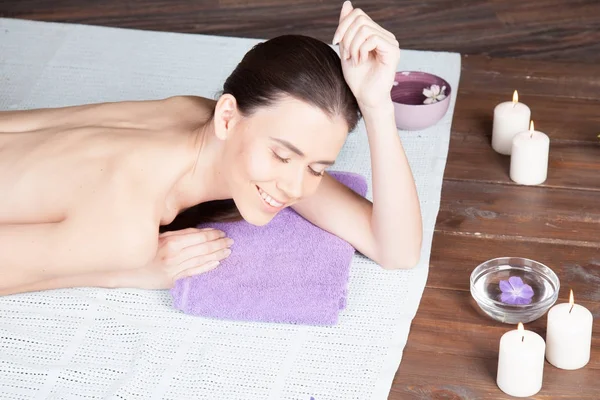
[{"x": 269, "y": 199}]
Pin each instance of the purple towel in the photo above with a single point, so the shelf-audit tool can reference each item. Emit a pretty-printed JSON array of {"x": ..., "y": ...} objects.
[{"x": 288, "y": 271}]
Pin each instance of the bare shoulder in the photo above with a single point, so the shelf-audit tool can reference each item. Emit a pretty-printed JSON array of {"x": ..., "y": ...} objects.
[
  {"x": 35, "y": 119},
  {"x": 191, "y": 109},
  {"x": 38, "y": 119},
  {"x": 159, "y": 113}
]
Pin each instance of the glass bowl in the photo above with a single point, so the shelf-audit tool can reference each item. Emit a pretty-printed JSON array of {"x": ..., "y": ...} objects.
[{"x": 514, "y": 289}]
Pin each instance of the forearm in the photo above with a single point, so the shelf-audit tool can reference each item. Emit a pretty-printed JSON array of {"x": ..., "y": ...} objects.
[{"x": 396, "y": 219}]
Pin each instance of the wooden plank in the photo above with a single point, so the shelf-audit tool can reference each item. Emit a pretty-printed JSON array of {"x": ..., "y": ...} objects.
[
  {"x": 570, "y": 165},
  {"x": 452, "y": 353},
  {"x": 530, "y": 77},
  {"x": 487, "y": 27},
  {"x": 538, "y": 214},
  {"x": 457, "y": 377},
  {"x": 562, "y": 119},
  {"x": 454, "y": 256},
  {"x": 546, "y": 12},
  {"x": 450, "y": 322}
]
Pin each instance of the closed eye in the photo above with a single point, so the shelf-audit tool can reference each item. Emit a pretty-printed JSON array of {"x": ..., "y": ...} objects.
[
  {"x": 287, "y": 160},
  {"x": 283, "y": 160},
  {"x": 315, "y": 173}
]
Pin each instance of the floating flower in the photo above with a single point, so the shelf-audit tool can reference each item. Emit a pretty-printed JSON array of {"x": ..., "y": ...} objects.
[
  {"x": 434, "y": 94},
  {"x": 515, "y": 291}
]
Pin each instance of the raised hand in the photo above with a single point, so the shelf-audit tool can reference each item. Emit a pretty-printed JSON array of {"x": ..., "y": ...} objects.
[{"x": 370, "y": 56}]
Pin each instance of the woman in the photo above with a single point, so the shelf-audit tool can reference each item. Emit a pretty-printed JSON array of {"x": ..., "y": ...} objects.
[{"x": 85, "y": 189}]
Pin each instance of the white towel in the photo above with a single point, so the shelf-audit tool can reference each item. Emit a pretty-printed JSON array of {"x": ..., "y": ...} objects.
[{"x": 132, "y": 344}]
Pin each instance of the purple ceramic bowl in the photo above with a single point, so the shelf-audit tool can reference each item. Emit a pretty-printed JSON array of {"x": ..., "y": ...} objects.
[{"x": 407, "y": 94}]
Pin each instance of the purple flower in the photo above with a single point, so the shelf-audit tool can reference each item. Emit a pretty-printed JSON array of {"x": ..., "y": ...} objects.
[{"x": 514, "y": 291}]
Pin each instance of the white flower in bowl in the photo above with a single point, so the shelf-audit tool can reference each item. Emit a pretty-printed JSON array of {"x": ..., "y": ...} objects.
[{"x": 434, "y": 94}]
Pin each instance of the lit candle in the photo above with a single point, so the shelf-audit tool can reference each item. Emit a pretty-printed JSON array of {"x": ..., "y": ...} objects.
[
  {"x": 529, "y": 159},
  {"x": 510, "y": 118},
  {"x": 569, "y": 335},
  {"x": 521, "y": 362}
]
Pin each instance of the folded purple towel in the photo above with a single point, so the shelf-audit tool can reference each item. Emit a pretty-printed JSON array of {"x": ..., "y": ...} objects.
[{"x": 288, "y": 271}]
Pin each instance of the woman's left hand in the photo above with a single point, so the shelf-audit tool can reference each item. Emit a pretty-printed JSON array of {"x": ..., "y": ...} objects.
[{"x": 370, "y": 56}]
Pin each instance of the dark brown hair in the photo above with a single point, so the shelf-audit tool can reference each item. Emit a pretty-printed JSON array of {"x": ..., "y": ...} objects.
[{"x": 291, "y": 65}]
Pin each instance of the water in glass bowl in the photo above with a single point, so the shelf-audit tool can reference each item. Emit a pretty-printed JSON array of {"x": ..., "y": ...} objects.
[
  {"x": 488, "y": 283},
  {"x": 486, "y": 289}
]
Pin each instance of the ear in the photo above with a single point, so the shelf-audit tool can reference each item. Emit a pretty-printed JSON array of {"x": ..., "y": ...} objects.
[{"x": 225, "y": 114}]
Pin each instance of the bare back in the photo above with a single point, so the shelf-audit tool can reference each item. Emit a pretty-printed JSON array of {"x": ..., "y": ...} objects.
[{"x": 103, "y": 170}]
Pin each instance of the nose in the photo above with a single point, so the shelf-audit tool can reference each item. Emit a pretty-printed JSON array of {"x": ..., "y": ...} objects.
[{"x": 292, "y": 184}]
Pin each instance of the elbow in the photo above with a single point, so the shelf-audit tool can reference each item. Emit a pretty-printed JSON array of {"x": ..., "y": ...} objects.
[
  {"x": 401, "y": 263},
  {"x": 401, "y": 260}
]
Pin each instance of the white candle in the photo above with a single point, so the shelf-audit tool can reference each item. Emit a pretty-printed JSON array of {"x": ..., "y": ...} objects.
[
  {"x": 569, "y": 335},
  {"x": 521, "y": 362},
  {"x": 529, "y": 159},
  {"x": 510, "y": 118}
]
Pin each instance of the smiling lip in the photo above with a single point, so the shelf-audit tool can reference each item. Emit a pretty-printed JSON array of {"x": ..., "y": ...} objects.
[{"x": 270, "y": 202}]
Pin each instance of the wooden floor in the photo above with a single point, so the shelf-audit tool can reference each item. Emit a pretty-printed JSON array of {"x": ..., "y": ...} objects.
[
  {"x": 567, "y": 30},
  {"x": 452, "y": 350}
]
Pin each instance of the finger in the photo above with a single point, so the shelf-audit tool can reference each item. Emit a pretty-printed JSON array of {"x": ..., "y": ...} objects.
[
  {"x": 362, "y": 34},
  {"x": 198, "y": 260},
  {"x": 204, "y": 248},
  {"x": 386, "y": 52},
  {"x": 186, "y": 231},
  {"x": 346, "y": 9},
  {"x": 346, "y": 20},
  {"x": 359, "y": 20},
  {"x": 383, "y": 31},
  {"x": 363, "y": 54},
  {"x": 179, "y": 232},
  {"x": 359, "y": 53},
  {"x": 186, "y": 273},
  {"x": 347, "y": 16},
  {"x": 362, "y": 21},
  {"x": 340, "y": 33},
  {"x": 179, "y": 243},
  {"x": 204, "y": 237}
]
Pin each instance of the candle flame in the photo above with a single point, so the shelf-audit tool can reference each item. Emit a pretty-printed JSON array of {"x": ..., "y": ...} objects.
[
  {"x": 571, "y": 298},
  {"x": 515, "y": 97},
  {"x": 531, "y": 129},
  {"x": 521, "y": 331}
]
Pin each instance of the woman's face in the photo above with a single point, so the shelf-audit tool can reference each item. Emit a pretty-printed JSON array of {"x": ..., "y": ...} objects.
[{"x": 278, "y": 155}]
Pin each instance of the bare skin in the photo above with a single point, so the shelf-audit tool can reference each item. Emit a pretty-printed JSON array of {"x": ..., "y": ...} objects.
[{"x": 85, "y": 189}]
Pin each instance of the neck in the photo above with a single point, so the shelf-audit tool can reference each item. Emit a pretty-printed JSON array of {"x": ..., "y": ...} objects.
[{"x": 203, "y": 178}]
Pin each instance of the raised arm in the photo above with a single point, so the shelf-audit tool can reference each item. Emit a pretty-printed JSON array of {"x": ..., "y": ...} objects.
[{"x": 389, "y": 231}]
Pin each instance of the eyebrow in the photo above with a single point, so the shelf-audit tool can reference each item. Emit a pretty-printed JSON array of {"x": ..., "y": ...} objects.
[{"x": 298, "y": 151}]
